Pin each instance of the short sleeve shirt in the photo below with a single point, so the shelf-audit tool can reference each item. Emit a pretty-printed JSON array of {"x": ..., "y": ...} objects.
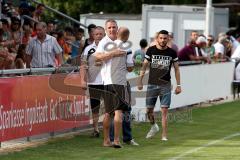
[
  {"x": 43, "y": 54},
  {"x": 94, "y": 72},
  {"x": 160, "y": 64}
]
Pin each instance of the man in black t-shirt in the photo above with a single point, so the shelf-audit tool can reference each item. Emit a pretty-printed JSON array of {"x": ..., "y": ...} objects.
[{"x": 161, "y": 58}]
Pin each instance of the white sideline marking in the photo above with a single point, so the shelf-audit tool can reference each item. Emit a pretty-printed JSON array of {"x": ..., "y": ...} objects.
[{"x": 204, "y": 146}]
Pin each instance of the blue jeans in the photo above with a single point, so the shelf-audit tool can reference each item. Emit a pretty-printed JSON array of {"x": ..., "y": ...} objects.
[
  {"x": 161, "y": 91},
  {"x": 126, "y": 127}
]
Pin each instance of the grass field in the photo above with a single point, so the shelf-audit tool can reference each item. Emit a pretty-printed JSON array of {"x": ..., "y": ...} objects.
[{"x": 213, "y": 133}]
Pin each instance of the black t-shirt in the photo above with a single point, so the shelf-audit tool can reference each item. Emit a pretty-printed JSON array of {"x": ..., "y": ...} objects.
[{"x": 160, "y": 64}]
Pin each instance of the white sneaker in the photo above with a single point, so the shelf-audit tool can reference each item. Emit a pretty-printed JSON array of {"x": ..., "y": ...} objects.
[
  {"x": 154, "y": 129},
  {"x": 164, "y": 139},
  {"x": 132, "y": 142}
]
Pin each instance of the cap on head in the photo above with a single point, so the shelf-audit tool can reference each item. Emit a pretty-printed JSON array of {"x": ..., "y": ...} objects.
[{"x": 201, "y": 39}]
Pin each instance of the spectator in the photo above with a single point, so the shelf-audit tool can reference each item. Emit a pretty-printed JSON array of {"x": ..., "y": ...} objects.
[
  {"x": 171, "y": 43},
  {"x": 43, "y": 49},
  {"x": 38, "y": 12},
  {"x": 20, "y": 60},
  {"x": 65, "y": 47},
  {"x": 89, "y": 40},
  {"x": 77, "y": 47},
  {"x": 27, "y": 32},
  {"x": 6, "y": 38},
  {"x": 69, "y": 34},
  {"x": 15, "y": 33},
  {"x": 139, "y": 55},
  {"x": 94, "y": 79},
  {"x": 193, "y": 37},
  {"x": 6, "y": 59},
  {"x": 153, "y": 41},
  {"x": 221, "y": 47},
  {"x": 233, "y": 41},
  {"x": 50, "y": 27},
  {"x": 194, "y": 51},
  {"x": 210, "y": 50}
]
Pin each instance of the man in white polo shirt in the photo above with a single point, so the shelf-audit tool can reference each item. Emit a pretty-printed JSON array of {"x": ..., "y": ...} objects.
[
  {"x": 43, "y": 50},
  {"x": 114, "y": 90},
  {"x": 94, "y": 79}
]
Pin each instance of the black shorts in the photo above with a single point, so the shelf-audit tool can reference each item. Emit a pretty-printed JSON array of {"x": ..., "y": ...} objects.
[
  {"x": 95, "y": 93},
  {"x": 115, "y": 98}
]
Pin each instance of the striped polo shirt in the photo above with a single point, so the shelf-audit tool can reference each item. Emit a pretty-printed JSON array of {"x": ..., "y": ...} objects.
[{"x": 43, "y": 54}]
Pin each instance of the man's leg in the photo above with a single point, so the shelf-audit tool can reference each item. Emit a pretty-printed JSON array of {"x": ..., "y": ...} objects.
[
  {"x": 117, "y": 126},
  {"x": 154, "y": 128},
  {"x": 127, "y": 130},
  {"x": 126, "y": 124},
  {"x": 150, "y": 114},
  {"x": 106, "y": 125},
  {"x": 95, "y": 121},
  {"x": 165, "y": 100},
  {"x": 95, "y": 92},
  {"x": 151, "y": 99},
  {"x": 164, "y": 122}
]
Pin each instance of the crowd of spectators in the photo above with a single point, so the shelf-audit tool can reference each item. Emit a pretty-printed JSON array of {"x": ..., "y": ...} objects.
[{"x": 18, "y": 29}]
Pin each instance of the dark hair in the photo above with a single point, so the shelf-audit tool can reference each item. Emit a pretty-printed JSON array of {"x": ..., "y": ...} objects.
[
  {"x": 80, "y": 30},
  {"x": 68, "y": 29},
  {"x": 143, "y": 43},
  {"x": 90, "y": 27},
  {"x": 163, "y": 32},
  {"x": 60, "y": 34},
  {"x": 15, "y": 20},
  {"x": 4, "y": 21},
  {"x": 202, "y": 35},
  {"x": 99, "y": 27}
]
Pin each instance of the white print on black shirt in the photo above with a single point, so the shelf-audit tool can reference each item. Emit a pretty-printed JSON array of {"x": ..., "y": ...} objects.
[{"x": 161, "y": 62}]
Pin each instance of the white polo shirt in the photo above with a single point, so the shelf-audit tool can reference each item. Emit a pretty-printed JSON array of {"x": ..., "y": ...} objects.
[
  {"x": 94, "y": 72},
  {"x": 114, "y": 70},
  {"x": 43, "y": 54}
]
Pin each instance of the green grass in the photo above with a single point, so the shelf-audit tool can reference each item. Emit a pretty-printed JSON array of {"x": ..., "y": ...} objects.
[{"x": 206, "y": 126}]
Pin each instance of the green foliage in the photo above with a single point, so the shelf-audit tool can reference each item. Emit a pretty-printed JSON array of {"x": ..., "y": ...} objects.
[{"x": 74, "y": 8}]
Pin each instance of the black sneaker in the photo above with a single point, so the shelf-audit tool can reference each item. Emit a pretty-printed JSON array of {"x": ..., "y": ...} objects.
[{"x": 96, "y": 134}]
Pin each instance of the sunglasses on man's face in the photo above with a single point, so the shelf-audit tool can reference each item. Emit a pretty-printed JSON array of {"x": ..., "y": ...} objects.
[{"x": 210, "y": 40}]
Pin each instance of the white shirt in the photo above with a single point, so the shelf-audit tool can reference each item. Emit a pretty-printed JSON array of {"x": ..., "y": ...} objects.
[
  {"x": 236, "y": 53},
  {"x": 106, "y": 68},
  {"x": 219, "y": 48},
  {"x": 235, "y": 43},
  {"x": 112, "y": 71},
  {"x": 237, "y": 72},
  {"x": 43, "y": 54},
  {"x": 94, "y": 72}
]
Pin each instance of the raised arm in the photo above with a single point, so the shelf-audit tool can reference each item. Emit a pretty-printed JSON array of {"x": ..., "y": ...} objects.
[{"x": 100, "y": 57}]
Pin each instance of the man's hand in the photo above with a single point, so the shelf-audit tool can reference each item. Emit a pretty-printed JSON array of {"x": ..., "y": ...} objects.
[
  {"x": 118, "y": 53},
  {"x": 83, "y": 85},
  {"x": 178, "y": 90}
]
